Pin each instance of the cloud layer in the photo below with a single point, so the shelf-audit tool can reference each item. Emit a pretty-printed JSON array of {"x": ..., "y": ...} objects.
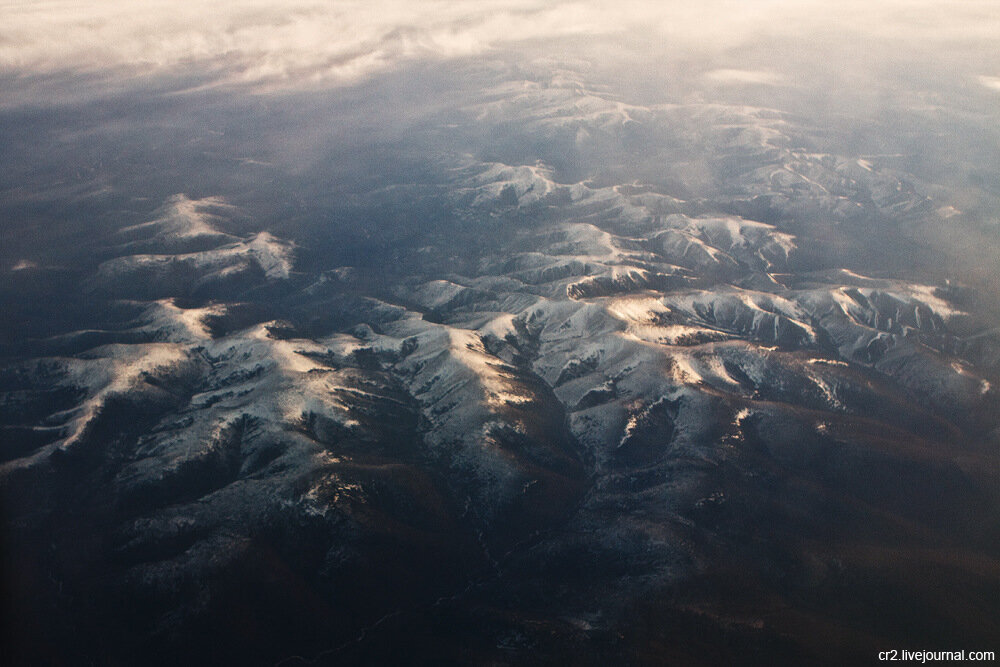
[{"x": 302, "y": 43}]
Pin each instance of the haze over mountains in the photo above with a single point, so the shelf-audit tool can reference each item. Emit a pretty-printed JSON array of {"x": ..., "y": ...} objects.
[{"x": 502, "y": 335}]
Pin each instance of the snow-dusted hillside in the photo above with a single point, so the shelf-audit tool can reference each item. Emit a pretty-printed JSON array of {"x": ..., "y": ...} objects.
[{"x": 570, "y": 390}]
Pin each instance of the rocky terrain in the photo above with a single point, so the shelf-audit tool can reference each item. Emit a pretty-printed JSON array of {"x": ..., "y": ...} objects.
[{"x": 667, "y": 383}]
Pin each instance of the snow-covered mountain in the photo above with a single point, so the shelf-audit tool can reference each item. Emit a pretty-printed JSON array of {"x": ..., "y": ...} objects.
[{"x": 634, "y": 397}]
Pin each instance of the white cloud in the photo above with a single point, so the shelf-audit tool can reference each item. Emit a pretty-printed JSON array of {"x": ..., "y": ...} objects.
[
  {"x": 308, "y": 42},
  {"x": 255, "y": 42},
  {"x": 742, "y": 76},
  {"x": 992, "y": 82}
]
